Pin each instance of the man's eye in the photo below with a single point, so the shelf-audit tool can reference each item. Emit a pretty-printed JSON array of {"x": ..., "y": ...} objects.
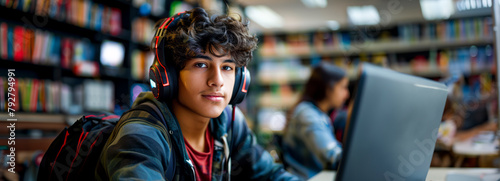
[
  {"x": 227, "y": 68},
  {"x": 201, "y": 65}
]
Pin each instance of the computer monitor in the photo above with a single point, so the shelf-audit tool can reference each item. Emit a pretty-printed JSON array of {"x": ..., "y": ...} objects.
[{"x": 393, "y": 126}]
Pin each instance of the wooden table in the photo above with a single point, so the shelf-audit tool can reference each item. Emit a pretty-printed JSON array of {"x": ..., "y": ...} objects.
[{"x": 470, "y": 148}]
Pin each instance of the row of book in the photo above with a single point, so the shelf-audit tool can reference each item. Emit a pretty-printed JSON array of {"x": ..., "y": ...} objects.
[
  {"x": 464, "y": 61},
  {"x": 157, "y": 6},
  {"x": 142, "y": 30},
  {"x": 32, "y": 95},
  {"x": 83, "y": 13},
  {"x": 46, "y": 96},
  {"x": 451, "y": 30},
  {"x": 141, "y": 60},
  {"x": 22, "y": 44}
]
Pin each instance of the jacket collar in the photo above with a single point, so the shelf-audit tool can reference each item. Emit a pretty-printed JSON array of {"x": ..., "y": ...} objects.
[{"x": 217, "y": 125}]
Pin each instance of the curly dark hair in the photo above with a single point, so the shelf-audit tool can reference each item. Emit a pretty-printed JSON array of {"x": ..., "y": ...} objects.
[{"x": 198, "y": 33}]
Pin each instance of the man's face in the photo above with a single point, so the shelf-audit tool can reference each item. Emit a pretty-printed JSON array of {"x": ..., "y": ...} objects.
[{"x": 206, "y": 84}]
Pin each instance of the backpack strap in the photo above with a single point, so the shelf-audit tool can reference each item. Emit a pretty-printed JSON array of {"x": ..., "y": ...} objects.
[{"x": 155, "y": 112}]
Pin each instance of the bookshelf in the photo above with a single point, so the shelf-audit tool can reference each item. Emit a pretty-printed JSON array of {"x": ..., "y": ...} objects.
[
  {"x": 435, "y": 50},
  {"x": 55, "y": 47},
  {"x": 394, "y": 46}
]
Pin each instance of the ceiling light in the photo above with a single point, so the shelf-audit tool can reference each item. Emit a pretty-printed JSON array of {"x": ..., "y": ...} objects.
[
  {"x": 363, "y": 15},
  {"x": 463, "y": 5},
  {"x": 264, "y": 16},
  {"x": 315, "y": 3},
  {"x": 439, "y": 9},
  {"x": 333, "y": 25}
]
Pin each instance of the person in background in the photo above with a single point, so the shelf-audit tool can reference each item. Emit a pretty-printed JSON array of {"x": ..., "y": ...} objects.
[
  {"x": 207, "y": 54},
  {"x": 461, "y": 120},
  {"x": 309, "y": 145},
  {"x": 450, "y": 132}
]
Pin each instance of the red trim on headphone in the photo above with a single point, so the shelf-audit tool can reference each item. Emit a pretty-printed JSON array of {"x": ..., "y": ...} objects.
[
  {"x": 156, "y": 45},
  {"x": 159, "y": 61},
  {"x": 166, "y": 75},
  {"x": 163, "y": 25},
  {"x": 244, "y": 89},
  {"x": 166, "y": 26}
]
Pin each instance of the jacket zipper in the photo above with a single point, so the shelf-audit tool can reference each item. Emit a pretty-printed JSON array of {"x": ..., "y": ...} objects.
[
  {"x": 226, "y": 155},
  {"x": 192, "y": 168}
]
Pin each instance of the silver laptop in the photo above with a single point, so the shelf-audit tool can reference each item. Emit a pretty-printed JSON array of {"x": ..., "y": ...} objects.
[{"x": 393, "y": 127}]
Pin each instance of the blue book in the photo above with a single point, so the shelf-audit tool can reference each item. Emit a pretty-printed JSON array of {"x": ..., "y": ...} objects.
[
  {"x": 19, "y": 5},
  {"x": 98, "y": 17},
  {"x": 451, "y": 30},
  {"x": 10, "y": 42},
  {"x": 464, "y": 31},
  {"x": 346, "y": 41},
  {"x": 56, "y": 51},
  {"x": 52, "y": 9}
]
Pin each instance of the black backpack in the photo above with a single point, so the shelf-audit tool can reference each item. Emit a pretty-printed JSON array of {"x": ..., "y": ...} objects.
[{"x": 75, "y": 152}]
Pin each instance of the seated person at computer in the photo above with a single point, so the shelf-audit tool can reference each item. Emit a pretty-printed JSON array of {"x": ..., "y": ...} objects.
[
  {"x": 450, "y": 131},
  {"x": 309, "y": 145}
]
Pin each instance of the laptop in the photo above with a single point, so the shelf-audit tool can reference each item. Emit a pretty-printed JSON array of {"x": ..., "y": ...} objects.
[{"x": 393, "y": 127}]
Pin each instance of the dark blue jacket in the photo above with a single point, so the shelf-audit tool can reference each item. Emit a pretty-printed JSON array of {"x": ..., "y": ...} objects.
[{"x": 138, "y": 150}]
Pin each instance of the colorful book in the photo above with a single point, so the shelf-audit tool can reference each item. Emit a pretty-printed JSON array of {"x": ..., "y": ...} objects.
[
  {"x": 3, "y": 40},
  {"x": 34, "y": 95},
  {"x": 66, "y": 53},
  {"x": 41, "y": 107},
  {"x": 18, "y": 43},
  {"x": 115, "y": 21},
  {"x": 98, "y": 17},
  {"x": 10, "y": 42},
  {"x": 28, "y": 44}
]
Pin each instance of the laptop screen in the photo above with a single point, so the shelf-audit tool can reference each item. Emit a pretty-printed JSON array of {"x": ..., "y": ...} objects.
[{"x": 393, "y": 126}]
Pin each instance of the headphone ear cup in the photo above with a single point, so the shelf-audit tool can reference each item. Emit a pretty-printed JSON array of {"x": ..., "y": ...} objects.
[
  {"x": 154, "y": 82},
  {"x": 170, "y": 91},
  {"x": 241, "y": 83},
  {"x": 163, "y": 81}
]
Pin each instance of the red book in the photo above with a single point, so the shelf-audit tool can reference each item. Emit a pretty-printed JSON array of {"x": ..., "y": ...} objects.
[
  {"x": 18, "y": 43},
  {"x": 69, "y": 12},
  {"x": 29, "y": 40},
  {"x": 34, "y": 95},
  {"x": 3, "y": 38},
  {"x": 8, "y": 3},
  {"x": 66, "y": 53},
  {"x": 115, "y": 21}
]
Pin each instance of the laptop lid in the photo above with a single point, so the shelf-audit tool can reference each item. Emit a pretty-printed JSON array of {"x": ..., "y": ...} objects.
[{"x": 393, "y": 126}]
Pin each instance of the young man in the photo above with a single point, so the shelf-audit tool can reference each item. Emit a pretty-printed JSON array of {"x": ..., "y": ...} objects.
[{"x": 199, "y": 60}]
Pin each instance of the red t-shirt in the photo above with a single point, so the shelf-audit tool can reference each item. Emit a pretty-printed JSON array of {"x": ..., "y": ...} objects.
[{"x": 202, "y": 161}]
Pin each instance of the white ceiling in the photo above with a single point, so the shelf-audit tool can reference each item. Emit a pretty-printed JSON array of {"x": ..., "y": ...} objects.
[{"x": 298, "y": 18}]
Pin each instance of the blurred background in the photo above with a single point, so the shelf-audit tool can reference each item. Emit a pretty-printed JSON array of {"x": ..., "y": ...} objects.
[{"x": 77, "y": 56}]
